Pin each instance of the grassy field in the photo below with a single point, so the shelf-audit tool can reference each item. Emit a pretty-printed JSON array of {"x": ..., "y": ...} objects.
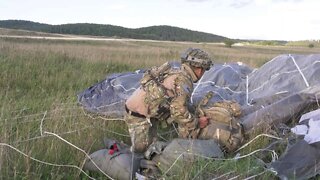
[
  {"x": 18, "y": 32},
  {"x": 39, "y": 81}
]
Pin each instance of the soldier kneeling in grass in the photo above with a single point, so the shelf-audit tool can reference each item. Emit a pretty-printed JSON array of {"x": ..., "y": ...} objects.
[{"x": 164, "y": 95}]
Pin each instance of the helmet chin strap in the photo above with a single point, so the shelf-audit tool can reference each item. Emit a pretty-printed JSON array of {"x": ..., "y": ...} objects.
[{"x": 198, "y": 71}]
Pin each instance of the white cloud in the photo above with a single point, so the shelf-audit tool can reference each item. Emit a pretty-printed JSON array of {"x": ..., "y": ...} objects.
[
  {"x": 240, "y": 3},
  {"x": 287, "y": 0},
  {"x": 118, "y": 7},
  {"x": 197, "y": 0},
  {"x": 253, "y": 19}
]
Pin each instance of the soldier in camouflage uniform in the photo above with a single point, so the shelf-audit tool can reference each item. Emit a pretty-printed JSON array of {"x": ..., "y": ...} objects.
[{"x": 164, "y": 95}]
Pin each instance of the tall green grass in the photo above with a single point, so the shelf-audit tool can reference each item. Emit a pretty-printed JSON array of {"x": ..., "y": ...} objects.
[
  {"x": 41, "y": 87},
  {"x": 39, "y": 81}
]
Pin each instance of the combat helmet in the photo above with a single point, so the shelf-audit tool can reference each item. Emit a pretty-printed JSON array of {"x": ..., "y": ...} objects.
[{"x": 196, "y": 58}]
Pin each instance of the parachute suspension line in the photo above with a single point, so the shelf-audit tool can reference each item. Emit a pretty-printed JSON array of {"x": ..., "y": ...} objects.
[
  {"x": 120, "y": 85},
  {"x": 174, "y": 163},
  {"x": 44, "y": 115},
  {"x": 223, "y": 175},
  {"x": 260, "y": 135},
  {"x": 46, "y": 163},
  {"x": 247, "y": 90},
  {"x": 253, "y": 177},
  {"x": 273, "y": 153},
  {"x": 175, "y": 129},
  {"x": 81, "y": 150},
  {"x": 132, "y": 158},
  {"x": 295, "y": 63},
  {"x": 199, "y": 172},
  {"x": 194, "y": 90}
]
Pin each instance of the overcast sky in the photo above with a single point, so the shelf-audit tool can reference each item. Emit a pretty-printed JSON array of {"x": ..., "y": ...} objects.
[{"x": 241, "y": 19}]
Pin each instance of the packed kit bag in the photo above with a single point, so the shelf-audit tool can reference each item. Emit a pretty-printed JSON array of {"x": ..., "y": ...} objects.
[{"x": 223, "y": 125}]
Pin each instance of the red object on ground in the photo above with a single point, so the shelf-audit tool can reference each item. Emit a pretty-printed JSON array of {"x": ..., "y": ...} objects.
[{"x": 113, "y": 149}]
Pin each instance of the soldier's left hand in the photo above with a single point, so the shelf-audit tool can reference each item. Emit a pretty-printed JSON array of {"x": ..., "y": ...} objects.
[{"x": 203, "y": 122}]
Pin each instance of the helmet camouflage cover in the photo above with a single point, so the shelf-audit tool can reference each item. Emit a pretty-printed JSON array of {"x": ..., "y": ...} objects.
[{"x": 197, "y": 58}]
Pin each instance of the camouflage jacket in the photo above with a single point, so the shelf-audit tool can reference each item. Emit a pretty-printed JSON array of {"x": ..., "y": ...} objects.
[{"x": 168, "y": 100}]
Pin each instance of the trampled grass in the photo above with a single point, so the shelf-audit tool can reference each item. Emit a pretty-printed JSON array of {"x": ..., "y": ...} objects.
[{"x": 39, "y": 81}]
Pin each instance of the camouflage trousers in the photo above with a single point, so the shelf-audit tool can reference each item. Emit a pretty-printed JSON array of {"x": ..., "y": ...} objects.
[{"x": 142, "y": 133}]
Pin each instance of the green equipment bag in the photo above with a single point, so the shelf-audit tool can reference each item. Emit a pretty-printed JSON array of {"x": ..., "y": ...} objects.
[
  {"x": 167, "y": 159},
  {"x": 223, "y": 125},
  {"x": 116, "y": 161}
]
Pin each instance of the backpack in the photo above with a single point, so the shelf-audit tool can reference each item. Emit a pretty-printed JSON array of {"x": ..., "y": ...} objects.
[{"x": 223, "y": 124}]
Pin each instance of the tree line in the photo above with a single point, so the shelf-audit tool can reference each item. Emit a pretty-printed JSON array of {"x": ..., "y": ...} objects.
[{"x": 166, "y": 33}]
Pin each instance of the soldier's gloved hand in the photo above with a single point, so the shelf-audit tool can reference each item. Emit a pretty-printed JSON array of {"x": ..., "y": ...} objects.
[{"x": 203, "y": 122}]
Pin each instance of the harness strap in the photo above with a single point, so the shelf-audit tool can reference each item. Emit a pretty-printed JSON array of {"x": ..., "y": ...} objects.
[
  {"x": 134, "y": 113},
  {"x": 221, "y": 126},
  {"x": 159, "y": 83}
]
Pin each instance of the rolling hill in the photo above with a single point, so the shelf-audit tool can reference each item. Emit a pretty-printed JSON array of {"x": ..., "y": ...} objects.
[{"x": 167, "y": 33}]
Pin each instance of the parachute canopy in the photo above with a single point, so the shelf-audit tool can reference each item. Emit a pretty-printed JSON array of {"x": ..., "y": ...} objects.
[
  {"x": 276, "y": 93},
  {"x": 272, "y": 94}
]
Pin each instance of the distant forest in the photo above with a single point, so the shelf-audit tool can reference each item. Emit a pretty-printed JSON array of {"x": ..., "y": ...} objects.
[{"x": 166, "y": 33}]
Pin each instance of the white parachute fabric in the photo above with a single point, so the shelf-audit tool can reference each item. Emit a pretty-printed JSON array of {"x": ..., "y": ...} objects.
[
  {"x": 309, "y": 125},
  {"x": 272, "y": 94}
]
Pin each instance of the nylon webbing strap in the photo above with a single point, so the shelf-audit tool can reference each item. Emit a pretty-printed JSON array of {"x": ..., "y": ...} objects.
[
  {"x": 221, "y": 126},
  {"x": 247, "y": 90},
  {"x": 295, "y": 63},
  {"x": 134, "y": 113}
]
